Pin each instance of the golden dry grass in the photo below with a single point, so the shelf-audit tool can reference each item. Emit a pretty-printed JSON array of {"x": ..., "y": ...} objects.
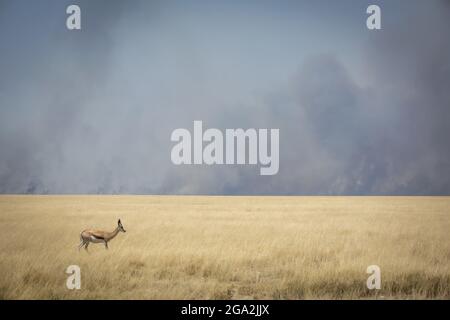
[{"x": 226, "y": 247}]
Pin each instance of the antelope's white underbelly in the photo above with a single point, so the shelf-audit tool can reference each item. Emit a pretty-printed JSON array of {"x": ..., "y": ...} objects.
[{"x": 96, "y": 240}]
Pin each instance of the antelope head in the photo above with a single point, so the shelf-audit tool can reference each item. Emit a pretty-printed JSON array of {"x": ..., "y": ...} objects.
[{"x": 120, "y": 226}]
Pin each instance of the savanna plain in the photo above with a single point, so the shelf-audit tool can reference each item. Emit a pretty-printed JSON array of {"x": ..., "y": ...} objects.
[{"x": 205, "y": 247}]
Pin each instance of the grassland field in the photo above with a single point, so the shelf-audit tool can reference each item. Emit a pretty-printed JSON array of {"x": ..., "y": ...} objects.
[{"x": 204, "y": 247}]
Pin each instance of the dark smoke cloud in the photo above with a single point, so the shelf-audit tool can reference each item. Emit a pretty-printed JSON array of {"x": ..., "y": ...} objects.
[{"x": 92, "y": 112}]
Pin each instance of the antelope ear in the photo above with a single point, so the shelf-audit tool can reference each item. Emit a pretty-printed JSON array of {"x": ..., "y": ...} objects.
[{"x": 118, "y": 221}]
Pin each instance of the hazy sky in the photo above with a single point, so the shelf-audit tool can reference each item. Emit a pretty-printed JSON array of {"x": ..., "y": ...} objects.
[{"x": 360, "y": 112}]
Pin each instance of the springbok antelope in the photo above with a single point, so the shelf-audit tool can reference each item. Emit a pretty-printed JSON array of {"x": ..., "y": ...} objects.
[{"x": 98, "y": 236}]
